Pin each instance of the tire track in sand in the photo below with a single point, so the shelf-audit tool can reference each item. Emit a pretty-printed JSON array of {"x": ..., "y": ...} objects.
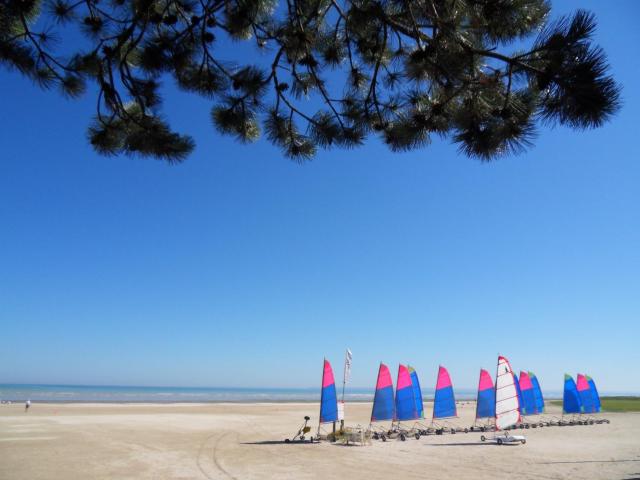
[{"x": 214, "y": 457}]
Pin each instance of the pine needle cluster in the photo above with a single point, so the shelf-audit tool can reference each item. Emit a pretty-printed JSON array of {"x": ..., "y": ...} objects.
[{"x": 340, "y": 70}]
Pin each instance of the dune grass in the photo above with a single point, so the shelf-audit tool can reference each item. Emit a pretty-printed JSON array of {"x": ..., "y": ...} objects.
[{"x": 615, "y": 404}]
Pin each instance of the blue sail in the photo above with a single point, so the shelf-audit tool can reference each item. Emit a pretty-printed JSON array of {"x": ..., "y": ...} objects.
[
  {"x": 383, "y": 406},
  {"x": 585, "y": 394},
  {"x": 405, "y": 399},
  {"x": 444, "y": 403},
  {"x": 528, "y": 395},
  {"x": 570, "y": 398},
  {"x": 328, "y": 397},
  {"x": 486, "y": 401},
  {"x": 594, "y": 392},
  {"x": 537, "y": 392},
  {"x": 417, "y": 392}
]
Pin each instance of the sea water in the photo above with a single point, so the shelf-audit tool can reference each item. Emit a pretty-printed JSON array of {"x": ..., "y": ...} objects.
[{"x": 123, "y": 394}]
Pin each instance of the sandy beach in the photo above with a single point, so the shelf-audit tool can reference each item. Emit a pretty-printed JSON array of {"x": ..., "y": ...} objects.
[{"x": 243, "y": 441}]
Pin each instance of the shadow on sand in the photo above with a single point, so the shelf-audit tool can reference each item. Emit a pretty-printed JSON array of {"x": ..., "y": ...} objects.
[
  {"x": 461, "y": 444},
  {"x": 276, "y": 442},
  {"x": 282, "y": 442}
]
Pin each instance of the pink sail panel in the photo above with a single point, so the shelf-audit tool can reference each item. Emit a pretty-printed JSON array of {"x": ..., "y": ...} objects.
[
  {"x": 383, "y": 404},
  {"x": 327, "y": 375},
  {"x": 405, "y": 399},
  {"x": 582, "y": 383},
  {"x": 525, "y": 381},
  {"x": 404, "y": 378},
  {"x": 384, "y": 377},
  {"x": 444, "y": 380},
  {"x": 486, "y": 400},
  {"x": 485, "y": 381},
  {"x": 444, "y": 401},
  {"x": 587, "y": 401}
]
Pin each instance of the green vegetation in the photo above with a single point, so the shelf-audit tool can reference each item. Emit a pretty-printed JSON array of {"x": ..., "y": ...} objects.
[
  {"x": 614, "y": 404},
  {"x": 620, "y": 404}
]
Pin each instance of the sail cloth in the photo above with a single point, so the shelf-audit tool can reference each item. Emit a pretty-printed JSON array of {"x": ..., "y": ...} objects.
[
  {"x": 444, "y": 403},
  {"x": 519, "y": 392},
  {"x": 417, "y": 392},
  {"x": 570, "y": 398},
  {"x": 328, "y": 398},
  {"x": 537, "y": 392},
  {"x": 507, "y": 406},
  {"x": 527, "y": 395},
  {"x": 486, "y": 401},
  {"x": 594, "y": 394},
  {"x": 586, "y": 397},
  {"x": 383, "y": 406},
  {"x": 405, "y": 399}
]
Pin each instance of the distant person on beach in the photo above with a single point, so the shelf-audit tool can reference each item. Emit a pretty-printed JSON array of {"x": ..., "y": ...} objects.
[{"x": 27, "y": 404}]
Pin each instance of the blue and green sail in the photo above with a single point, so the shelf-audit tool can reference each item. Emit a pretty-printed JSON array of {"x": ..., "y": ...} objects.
[
  {"x": 537, "y": 392},
  {"x": 570, "y": 398},
  {"x": 595, "y": 394}
]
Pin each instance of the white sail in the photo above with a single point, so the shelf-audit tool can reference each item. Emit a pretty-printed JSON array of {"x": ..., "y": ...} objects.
[{"x": 507, "y": 404}]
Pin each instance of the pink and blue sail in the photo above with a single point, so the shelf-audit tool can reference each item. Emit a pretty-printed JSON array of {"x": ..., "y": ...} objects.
[
  {"x": 486, "y": 401},
  {"x": 570, "y": 398},
  {"x": 417, "y": 391},
  {"x": 405, "y": 398},
  {"x": 328, "y": 397},
  {"x": 585, "y": 394},
  {"x": 594, "y": 393},
  {"x": 444, "y": 403},
  {"x": 383, "y": 405},
  {"x": 537, "y": 392},
  {"x": 527, "y": 394}
]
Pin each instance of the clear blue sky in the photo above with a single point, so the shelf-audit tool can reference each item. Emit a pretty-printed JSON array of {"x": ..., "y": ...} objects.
[{"x": 241, "y": 268}]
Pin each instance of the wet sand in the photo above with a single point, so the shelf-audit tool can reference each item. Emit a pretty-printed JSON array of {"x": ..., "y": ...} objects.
[{"x": 244, "y": 441}]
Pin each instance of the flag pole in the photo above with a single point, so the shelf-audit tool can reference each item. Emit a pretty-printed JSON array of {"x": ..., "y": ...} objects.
[
  {"x": 345, "y": 373},
  {"x": 344, "y": 382}
]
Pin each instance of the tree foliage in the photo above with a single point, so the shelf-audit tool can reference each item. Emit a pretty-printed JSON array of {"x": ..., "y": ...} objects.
[{"x": 338, "y": 71}]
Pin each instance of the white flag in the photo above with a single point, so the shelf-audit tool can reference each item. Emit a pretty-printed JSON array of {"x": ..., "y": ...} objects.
[{"x": 347, "y": 366}]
